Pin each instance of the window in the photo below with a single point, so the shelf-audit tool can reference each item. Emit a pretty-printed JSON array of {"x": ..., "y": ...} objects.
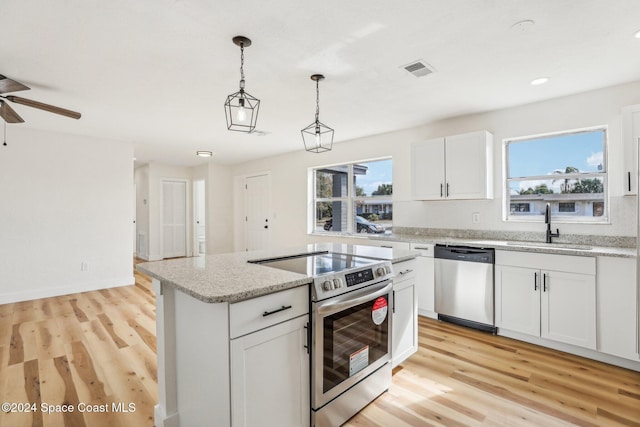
[
  {"x": 520, "y": 207},
  {"x": 566, "y": 206},
  {"x": 353, "y": 198},
  {"x": 565, "y": 170}
]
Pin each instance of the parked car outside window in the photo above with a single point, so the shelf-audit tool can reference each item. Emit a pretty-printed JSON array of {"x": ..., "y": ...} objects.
[{"x": 363, "y": 226}]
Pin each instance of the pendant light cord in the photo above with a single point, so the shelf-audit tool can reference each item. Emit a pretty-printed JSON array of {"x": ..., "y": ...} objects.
[
  {"x": 242, "y": 66},
  {"x": 317, "y": 101}
]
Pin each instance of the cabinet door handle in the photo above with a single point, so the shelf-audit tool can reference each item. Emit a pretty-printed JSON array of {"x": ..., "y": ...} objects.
[
  {"x": 394, "y": 302},
  {"x": 308, "y": 343},
  {"x": 544, "y": 282},
  {"x": 629, "y": 180},
  {"x": 447, "y": 189},
  {"x": 421, "y": 248},
  {"x": 407, "y": 271},
  {"x": 269, "y": 313},
  {"x": 440, "y": 189},
  {"x": 535, "y": 280},
  {"x": 386, "y": 246}
]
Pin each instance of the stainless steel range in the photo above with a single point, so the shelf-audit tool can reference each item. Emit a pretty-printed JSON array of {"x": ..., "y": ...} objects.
[{"x": 350, "y": 331}]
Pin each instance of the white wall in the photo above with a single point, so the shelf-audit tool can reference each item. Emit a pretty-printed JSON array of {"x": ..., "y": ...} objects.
[
  {"x": 600, "y": 107},
  {"x": 64, "y": 200},
  {"x": 220, "y": 209}
]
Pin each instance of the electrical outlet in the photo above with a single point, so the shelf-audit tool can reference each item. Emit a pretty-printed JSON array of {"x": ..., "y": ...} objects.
[{"x": 475, "y": 217}]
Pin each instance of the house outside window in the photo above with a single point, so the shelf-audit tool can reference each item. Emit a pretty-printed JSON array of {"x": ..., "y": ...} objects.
[
  {"x": 566, "y": 170},
  {"x": 353, "y": 198}
]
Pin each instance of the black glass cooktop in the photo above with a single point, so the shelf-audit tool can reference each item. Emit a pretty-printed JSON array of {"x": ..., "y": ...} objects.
[{"x": 316, "y": 264}]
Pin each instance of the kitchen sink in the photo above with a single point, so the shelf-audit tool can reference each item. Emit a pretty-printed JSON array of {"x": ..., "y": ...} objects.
[{"x": 551, "y": 245}]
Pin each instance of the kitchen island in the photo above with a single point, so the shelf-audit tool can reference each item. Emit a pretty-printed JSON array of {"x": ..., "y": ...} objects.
[{"x": 219, "y": 323}]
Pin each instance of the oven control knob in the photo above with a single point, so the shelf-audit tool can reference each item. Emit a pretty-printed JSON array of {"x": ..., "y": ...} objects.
[
  {"x": 380, "y": 271},
  {"x": 337, "y": 283},
  {"x": 387, "y": 269},
  {"x": 327, "y": 285}
]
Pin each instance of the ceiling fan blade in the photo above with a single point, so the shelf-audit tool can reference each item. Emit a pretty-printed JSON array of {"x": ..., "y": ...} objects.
[
  {"x": 8, "y": 114},
  {"x": 43, "y": 106},
  {"x": 8, "y": 85}
]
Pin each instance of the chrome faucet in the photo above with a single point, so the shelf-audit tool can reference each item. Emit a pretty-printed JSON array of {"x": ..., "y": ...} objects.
[{"x": 547, "y": 220}]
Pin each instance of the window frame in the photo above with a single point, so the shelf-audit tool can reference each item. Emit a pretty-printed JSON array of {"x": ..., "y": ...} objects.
[
  {"x": 604, "y": 174},
  {"x": 349, "y": 200}
]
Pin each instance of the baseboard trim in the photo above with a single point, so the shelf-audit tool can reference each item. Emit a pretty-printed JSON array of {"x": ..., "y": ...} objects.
[
  {"x": 633, "y": 365},
  {"x": 29, "y": 295}
]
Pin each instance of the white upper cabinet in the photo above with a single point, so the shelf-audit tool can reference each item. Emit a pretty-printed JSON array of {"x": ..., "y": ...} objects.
[
  {"x": 427, "y": 169},
  {"x": 630, "y": 137},
  {"x": 453, "y": 167}
]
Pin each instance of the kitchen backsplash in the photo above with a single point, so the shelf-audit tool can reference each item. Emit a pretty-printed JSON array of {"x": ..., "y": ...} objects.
[{"x": 521, "y": 236}]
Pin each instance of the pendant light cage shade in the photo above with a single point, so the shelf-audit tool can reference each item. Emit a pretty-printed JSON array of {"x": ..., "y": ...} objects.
[
  {"x": 317, "y": 138},
  {"x": 241, "y": 110}
]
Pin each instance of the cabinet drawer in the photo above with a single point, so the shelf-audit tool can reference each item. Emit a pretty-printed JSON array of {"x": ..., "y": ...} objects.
[
  {"x": 542, "y": 261},
  {"x": 390, "y": 244},
  {"x": 249, "y": 316},
  {"x": 405, "y": 270},
  {"x": 425, "y": 249}
]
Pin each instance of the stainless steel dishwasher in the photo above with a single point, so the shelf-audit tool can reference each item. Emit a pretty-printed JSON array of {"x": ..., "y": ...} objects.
[{"x": 464, "y": 286}]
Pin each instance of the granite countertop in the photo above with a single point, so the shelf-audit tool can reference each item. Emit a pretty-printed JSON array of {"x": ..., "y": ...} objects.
[
  {"x": 521, "y": 246},
  {"x": 231, "y": 278}
]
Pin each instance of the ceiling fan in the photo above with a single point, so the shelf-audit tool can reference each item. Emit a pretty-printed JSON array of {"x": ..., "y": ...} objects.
[{"x": 9, "y": 114}]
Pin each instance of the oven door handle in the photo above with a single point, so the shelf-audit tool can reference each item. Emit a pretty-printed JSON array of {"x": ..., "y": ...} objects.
[{"x": 336, "y": 306}]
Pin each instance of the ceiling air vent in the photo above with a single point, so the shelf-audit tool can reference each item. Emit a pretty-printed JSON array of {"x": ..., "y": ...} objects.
[{"x": 419, "y": 68}]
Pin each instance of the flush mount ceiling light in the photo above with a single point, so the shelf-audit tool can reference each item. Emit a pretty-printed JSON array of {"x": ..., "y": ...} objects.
[
  {"x": 241, "y": 109},
  {"x": 637, "y": 34},
  {"x": 539, "y": 81},
  {"x": 317, "y": 137},
  {"x": 204, "y": 153}
]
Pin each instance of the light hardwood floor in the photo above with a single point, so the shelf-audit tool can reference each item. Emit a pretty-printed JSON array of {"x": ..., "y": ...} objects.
[
  {"x": 94, "y": 348},
  {"x": 98, "y": 348},
  {"x": 463, "y": 377}
]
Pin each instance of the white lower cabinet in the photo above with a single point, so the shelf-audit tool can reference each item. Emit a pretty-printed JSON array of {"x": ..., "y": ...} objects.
[
  {"x": 404, "y": 335},
  {"x": 617, "y": 310},
  {"x": 549, "y": 296},
  {"x": 425, "y": 279},
  {"x": 269, "y": 360},
  {"x": 517, "y": 299},
  {"x": 270, "y": 376}
]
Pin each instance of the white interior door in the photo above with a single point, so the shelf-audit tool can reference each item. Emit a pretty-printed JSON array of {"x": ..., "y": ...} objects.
[
  {"x": 174, "y": 219},
  {"x": 200, "y": 216},
  {"x": 257, "y": 227}
]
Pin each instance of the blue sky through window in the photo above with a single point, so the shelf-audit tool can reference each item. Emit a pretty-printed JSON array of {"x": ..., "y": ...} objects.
[
  {"x": 378, "y": 172},
  {"x": 583, "y": 150}
]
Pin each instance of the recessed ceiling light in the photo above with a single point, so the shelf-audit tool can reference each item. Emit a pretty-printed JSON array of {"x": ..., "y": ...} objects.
[
  {"x": 637, "y": 34},
  {"x": 204, "y": 153},
  {"x": 539, "y": 81}
]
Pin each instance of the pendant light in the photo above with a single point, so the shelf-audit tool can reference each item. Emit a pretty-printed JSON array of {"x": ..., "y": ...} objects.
[
  {"x": 241, "y": 109},
  {"x": 317, "y": 137}
]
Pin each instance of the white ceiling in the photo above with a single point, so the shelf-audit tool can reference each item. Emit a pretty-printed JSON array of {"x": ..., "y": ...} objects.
[{"x": 156, "y": 72}]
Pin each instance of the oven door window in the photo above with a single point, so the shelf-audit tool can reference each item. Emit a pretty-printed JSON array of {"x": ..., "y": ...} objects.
[{"x": 354, "y": 339}]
